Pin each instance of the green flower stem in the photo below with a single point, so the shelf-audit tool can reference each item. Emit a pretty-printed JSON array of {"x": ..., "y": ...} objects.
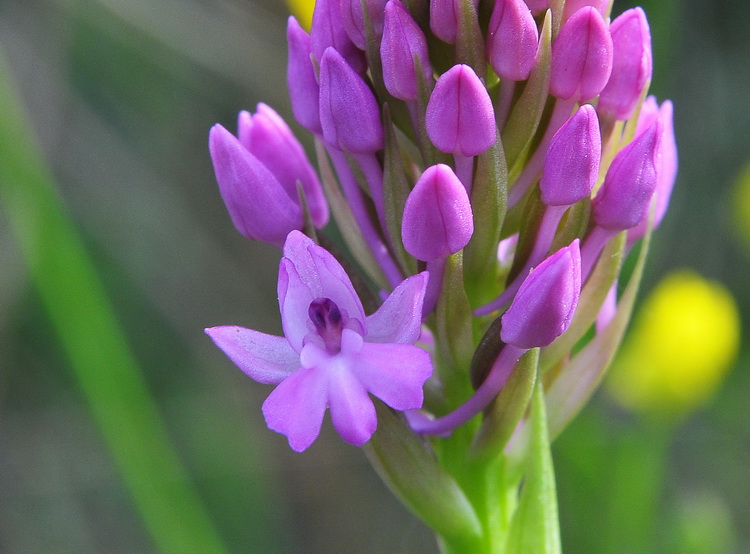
[{"x": 93, "y": 341}]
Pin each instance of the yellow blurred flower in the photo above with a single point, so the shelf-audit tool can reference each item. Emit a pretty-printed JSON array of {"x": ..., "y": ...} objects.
[
  {"x": 302, "y": 10},
  {"x": 741, "y": 204},
  {"x": 683, "y": 340}
]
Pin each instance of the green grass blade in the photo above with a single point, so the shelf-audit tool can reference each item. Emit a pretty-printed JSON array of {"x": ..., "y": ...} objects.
[{"x": 93, "y": 341}]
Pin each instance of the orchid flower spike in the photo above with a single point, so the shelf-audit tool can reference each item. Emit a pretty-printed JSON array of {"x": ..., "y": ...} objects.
[
  {"x": 461, "y": 144},
  {"x": 331, "y": 354}
]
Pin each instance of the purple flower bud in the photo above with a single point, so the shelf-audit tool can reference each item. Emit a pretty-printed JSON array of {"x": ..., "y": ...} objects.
[
  {"x": 402, "y": 41},
  {"x": 667, "y": 171},
  {"x": 512, "y": 40},
  {"x": 328, "y": 30},
  {"x": 669, "y": 162},
  {"x": 631, "y": 65},
  {"x": 572, "y": 6},
  {"x": 537, "y": 6},
  {"x": 459, "y": 117},
  {"x": 648, "y": 114},
  {"x": 259, "y": 206},
  {"x": 444, "y": 18},
  {"x": 572, "y": 162},
  {"x": 267, "y": 137},
  {"x": 437, "y": 216},
  {"x": 349, "y": 112},
  {"x": 354, "y": 19},
  {"x": 625, "y": 196},
  {"x": 546, "y": 302},
  {"x": 581, "y": 57},
  {"x": 303, "y": 86}
]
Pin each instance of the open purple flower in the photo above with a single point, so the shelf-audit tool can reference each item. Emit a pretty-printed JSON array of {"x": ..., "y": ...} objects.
[{"x": 332, "y": 355}]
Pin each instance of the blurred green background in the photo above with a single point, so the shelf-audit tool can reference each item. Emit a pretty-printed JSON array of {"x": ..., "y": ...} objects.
[{"x": 120, "y": 96}]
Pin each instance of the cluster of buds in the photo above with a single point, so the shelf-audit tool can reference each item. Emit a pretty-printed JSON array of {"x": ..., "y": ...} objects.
[{"x": 489, "y": 163}]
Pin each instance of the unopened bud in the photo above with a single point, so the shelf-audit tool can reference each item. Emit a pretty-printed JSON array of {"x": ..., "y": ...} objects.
[
  {"x": 444, "y": 18},
  {"x": 546, "y": 302},
  {"x": 349, "y": 112},
  {"x": 512, "y": 40},
  {"x": 267, "y": 137},
  {"x": 625, "y": 196},
  {"x": 460, "y": 118},
  {"x": 328, "y": 31},
  {"x": 667, "y": 170},
  {"x": 572, "y": 6},
  {"x": 354, "y": 19},
  {"x": 259, "y": 206},
  {"x": 571, "y": 166},
  {"x": 403, "y": 41},
  {"x": 581, "y": 57},
  {"x": 631, "y": 65},
  {"x": 437, "y": 220},
  {"x": 304, "y": 91}
]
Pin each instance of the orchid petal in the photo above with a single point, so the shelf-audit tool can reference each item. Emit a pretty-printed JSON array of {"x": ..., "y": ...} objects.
[
  {"x": 352, "y": 411},
  {"x": 395, "y": 373},
  {"x": 399, "y": 319},
  {"x": 294, "y": 303},
  {"x": 296, "y": 407},
  {"x": 264, "y": 358},
  {"x": 323, "y": 275}
]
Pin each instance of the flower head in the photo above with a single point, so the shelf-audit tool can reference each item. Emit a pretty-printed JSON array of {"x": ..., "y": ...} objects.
[
  {"x": 443, "y": 129},
  {"x": 332, "y": 355}
]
